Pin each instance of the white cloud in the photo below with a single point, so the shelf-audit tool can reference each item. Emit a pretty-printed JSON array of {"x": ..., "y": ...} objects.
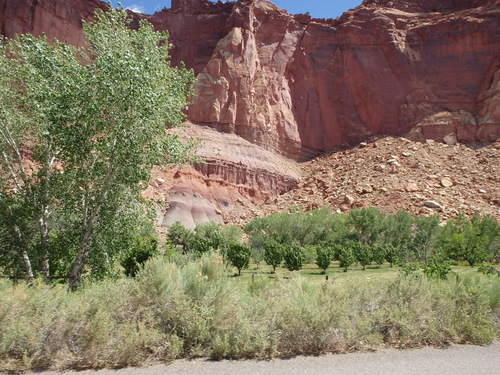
[{"x": 136, "y": 8}]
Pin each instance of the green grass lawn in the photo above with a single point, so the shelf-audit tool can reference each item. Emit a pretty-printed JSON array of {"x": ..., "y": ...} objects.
[{"x": 334, "y": 273}]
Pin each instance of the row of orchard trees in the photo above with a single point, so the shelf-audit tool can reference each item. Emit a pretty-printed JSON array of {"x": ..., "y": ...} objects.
[
  {"x": 364, "y": 236},
  {"x": 80, "y": 130}
]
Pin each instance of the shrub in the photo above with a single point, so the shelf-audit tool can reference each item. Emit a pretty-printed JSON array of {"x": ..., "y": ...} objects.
[
  {"x": 212, "y": 233},
  {"x": 180, "y": 235},
  {"x": 438, "y": 266},
  {"x": 144, "y": 248},
  {"x": 199, "y": 244},
  {"x": 180, "y": 311},
  {"x": 488, "y": 269}
]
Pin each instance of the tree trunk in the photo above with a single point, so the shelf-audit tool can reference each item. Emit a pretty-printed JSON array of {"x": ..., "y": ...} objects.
[
  {"x": 27, "y": 264},
  {"x": 44, "y": 241},
  {"x": 74, "y": 277},
  {"x": 26, "y": 258}
]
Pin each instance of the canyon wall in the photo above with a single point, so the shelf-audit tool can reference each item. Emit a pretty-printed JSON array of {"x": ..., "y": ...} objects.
[
  {"x": 274, "y": 84},
  {"x": 300, "y": 86}
]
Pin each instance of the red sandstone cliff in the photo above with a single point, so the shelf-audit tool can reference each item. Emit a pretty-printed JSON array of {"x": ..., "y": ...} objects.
[
  {"x": 298, "y": 86},
  {"x": 381, "y": 68},
  {"x": 301, "y": 86}
]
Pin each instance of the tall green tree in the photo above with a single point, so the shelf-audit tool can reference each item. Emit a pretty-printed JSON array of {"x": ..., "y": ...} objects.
[
  {"x": 368, "y": 224},
  {"x": 426, "y": 232},
  {"x": 93, "y": 122}
]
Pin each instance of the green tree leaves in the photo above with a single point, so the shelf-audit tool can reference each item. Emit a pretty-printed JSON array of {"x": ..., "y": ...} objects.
[
  {"x": 273, "y": 254},
  {"x": 89, "y": 124},
  {"x": 239, "y": 255}
]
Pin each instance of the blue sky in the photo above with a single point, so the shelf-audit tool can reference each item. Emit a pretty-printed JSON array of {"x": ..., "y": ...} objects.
[{"x": 317, "y": 8}]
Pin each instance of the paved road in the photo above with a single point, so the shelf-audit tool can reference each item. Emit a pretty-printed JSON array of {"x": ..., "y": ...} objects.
[{"x": 457, "y": 360}]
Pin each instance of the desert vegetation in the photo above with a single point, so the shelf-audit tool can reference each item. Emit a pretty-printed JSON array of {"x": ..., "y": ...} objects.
[
  {"x": 406, "y": 285},
  {"x": 79, "y": 132},
  {"x": 187, "y": 308},
  {"x": 369, "y": 236}
]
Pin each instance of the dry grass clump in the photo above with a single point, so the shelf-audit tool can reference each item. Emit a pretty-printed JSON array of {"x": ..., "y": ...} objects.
[{"x": 171, "y": 311}]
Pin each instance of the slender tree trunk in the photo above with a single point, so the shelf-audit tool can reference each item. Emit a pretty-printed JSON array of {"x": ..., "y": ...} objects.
[
  {"x": 44, "y": 219},
  {"x": 74, "y": 277},
  {"x": 26, "y": 258},
  {"x": 27, "y": 264},
  {"x": 88, "y": 225},
  {"x": 44, "y": 241}
]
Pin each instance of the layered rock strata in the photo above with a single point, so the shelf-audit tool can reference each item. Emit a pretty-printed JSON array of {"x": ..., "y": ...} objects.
[{"x": 234, "y": 171}]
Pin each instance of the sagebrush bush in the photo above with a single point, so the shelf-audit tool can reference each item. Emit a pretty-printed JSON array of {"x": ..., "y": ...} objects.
[{"x": 195, "y": 309}]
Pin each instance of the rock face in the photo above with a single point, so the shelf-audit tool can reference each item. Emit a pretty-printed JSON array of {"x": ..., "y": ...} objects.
[
  {"x": 296, "y": 86},
  {"x": 429, "y": 178},
  {"x": 234, "y": 172},
  {"x": 61, "y": 19},
  {"x": 301, "y": 86}
]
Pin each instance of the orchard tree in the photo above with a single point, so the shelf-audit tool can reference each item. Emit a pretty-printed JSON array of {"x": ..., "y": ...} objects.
[
  {"x": 469, "y": 240},
  {"x": 362, "y": 254},
  {"x": 324, "y": 257},
  {"x": 379, "y": 253},
  {"x": 392, "y": 254},
  {"x": 345, "y": 255},
  {"x": 80, "y": 131},
  {"x": 294, "y": 256},
  {"x": 239, "y": 255},
  {"x": 273, "y": 254}
]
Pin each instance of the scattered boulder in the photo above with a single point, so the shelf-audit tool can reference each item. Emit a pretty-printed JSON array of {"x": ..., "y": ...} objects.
[{"x": 432, "y": 204}]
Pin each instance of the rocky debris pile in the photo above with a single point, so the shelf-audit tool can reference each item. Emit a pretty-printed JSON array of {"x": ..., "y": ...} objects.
[{"x": 396, "y": 173}]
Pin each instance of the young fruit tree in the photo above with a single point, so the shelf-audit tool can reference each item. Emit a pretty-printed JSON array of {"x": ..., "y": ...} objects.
[
  {"x": 80, "y": 130},
  {"x": 273, "y": 254},
  {"x": 239, "y": 255}
]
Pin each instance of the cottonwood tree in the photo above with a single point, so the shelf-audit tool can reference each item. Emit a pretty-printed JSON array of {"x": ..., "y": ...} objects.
[
  {"x": 426, "y": 230},
  {"x": 80, "y": 131}
]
